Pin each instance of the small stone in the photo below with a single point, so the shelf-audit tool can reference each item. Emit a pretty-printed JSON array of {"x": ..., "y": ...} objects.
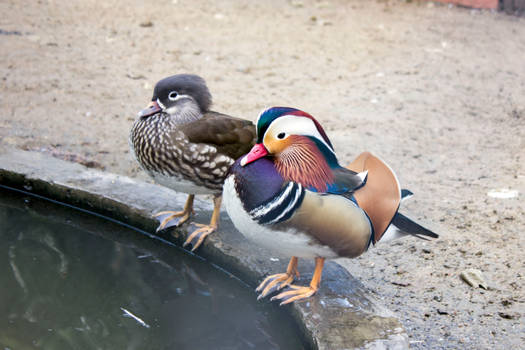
[
  {"x": 245, "y": 70},
  {"x": 504, "y": 193},
  {"x": 507, "y": 316},
  {"x": 401, "y": 284},
  {"x": 506, "y": 302},
  {"x": 146, "y": 24},
  {"x": 474, "y": 278},
  {"x": 135, "y": 76},
  {"x": 325, "y": 23},
  {"x": 442, "y": 312}
]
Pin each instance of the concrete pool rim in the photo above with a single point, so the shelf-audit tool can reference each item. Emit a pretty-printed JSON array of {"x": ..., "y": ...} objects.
[{"x": 344, "y": 315}]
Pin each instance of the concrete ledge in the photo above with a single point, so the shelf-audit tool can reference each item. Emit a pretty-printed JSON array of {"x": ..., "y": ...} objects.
[{"x": 343, "y": 315}]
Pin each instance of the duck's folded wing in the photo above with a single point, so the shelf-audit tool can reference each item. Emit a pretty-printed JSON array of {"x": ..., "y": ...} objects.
[
  {"x": 347, "y": 181},
  {"x": 381, "y": 195},
  {"x": 333, "y": 221},
  {"x": 231, "y": 136}
]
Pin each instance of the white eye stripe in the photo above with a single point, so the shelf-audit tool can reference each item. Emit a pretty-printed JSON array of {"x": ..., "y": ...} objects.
[
  {"x": 160, "y": 104},
  {"x": 178, "y": 97},
  {"x": 295, "y": 125},
  {"x": 173, "y": 95}
]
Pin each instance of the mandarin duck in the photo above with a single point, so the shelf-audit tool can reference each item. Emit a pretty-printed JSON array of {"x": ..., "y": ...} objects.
[
  {"x": 183, "y": 145},
  {"x": 290, "y": 194}
]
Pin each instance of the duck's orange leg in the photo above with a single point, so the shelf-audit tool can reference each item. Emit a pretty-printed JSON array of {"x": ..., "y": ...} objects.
[
  {"x": 166, "y": 218},
  {"x": 295, "y": 293},
  {"x": 278, "y": 281},
  {"x": 197, "y": 236}
]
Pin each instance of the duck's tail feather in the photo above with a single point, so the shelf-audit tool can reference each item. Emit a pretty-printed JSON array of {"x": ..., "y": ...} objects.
[
  {"x": 410, "y": 227},
  {"x": 405, "y": 194}
]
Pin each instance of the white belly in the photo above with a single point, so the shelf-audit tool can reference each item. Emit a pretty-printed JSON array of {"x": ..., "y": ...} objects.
[
  {"x": 179, "y": 184},
  {"x": 286, "y": 243}
]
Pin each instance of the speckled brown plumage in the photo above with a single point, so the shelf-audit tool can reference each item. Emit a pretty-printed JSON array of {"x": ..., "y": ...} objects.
[
  {"x": 200, "y": 151},
  {"x": 183, "y": 145}
]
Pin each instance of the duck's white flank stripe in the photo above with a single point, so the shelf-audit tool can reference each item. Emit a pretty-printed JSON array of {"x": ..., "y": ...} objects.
[
  {"x": 286, "y": 243},
  {"x": 290, "y": 206},
  {"x": 265, "y": 209}
]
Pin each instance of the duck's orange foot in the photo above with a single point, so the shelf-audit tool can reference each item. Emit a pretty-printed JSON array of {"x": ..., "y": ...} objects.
[
  {"x": 171, "y": 218},
  {"x": 274, "y": 283},
  {"x": 197, "y": 237},
  {"x": 294, "y": 293}
]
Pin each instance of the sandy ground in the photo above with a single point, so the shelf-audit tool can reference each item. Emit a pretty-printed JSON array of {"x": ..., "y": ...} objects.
[{"x": 437, "y": 91}]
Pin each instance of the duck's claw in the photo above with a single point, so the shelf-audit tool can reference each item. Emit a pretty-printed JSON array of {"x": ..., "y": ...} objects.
[
  {"x": 278, "y": 281},
  {"x": 175, "y": 218},
  {"x": 197, "y": 237},
  {"x": 171, "y": 218},
  {"x": 294, "y": 293},
  {"x": 274, "y": 283}
]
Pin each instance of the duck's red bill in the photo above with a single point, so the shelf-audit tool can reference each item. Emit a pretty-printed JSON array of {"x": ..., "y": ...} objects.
[{"x": 257, "y": 151}]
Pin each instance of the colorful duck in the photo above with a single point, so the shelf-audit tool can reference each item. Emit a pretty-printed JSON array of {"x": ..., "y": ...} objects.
[{"x": 290, "y": 194}]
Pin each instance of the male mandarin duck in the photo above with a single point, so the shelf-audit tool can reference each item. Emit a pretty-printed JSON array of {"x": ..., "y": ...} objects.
[
  {"x": 183, "y": 145},
  {"x": 290, "y": 194}
]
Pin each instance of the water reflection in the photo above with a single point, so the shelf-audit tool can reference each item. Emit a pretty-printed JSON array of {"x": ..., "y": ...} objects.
[{"x": 67, "y": 286}]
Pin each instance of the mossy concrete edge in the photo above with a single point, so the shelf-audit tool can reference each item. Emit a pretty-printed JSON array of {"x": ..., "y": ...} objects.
[{"x": 343, "y": 315}]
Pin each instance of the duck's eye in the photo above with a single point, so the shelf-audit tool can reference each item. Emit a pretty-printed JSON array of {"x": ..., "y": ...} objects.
[
  {"x": 173, "y": 95},
  {"x": 281, "y": 135}
]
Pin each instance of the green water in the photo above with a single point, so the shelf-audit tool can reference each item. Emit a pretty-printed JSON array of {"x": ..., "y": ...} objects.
[{"x": 66, "y": 279}]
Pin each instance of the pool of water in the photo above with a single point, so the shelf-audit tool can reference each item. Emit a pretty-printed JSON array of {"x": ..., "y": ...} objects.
[{"x": 71, "y": 280}]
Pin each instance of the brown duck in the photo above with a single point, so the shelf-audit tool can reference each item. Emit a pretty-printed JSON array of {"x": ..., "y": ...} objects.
[{"x": 183, "y": 145}]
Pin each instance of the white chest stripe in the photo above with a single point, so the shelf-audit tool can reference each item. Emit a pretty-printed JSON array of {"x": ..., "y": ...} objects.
[
  {"x": 290, "y": 206},
  {"x": 266, "y": 208},
  {"x": 281, "y": 207}
]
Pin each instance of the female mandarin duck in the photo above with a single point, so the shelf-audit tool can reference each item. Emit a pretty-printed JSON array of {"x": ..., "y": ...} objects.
[
  {"x": 290, "y": 194},
  {"x": 183, "y": 145}
]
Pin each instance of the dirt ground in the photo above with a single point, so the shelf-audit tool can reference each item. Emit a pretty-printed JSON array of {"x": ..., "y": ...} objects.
[{"x": 437, "y": 91}]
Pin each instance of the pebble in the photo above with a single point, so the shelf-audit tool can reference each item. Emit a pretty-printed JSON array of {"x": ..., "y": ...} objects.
[
  {"x": 507, "y": 316},
  {"x": 474, "y": 278},
  {"x": 146, "y": 24},
  {"x": 504, "y": 193}
]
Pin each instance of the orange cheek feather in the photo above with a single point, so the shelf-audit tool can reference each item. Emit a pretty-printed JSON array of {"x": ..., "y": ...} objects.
[
  {"x": 300, "y": 161},
  {"x": 274, "y": 146}
]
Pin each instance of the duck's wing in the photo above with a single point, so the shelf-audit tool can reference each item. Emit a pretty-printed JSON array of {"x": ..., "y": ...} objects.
[
  {"x": 231, "y": 136},
  {"x": 381, "y": 195},
  {"x": 347, "y": 181}
]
